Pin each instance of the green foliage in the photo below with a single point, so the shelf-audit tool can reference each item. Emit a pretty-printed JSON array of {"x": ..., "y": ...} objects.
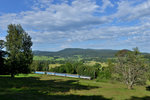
[
  {"x": 69, "y": 68},
  {"x": 86, "y": 71},
  {"x": 18, "y": 45},
  {"x": 3, "y": 69},
  {"x": 65, "y": 68},
  {"x": 78, "y": 68},
  {"x": 59, "y": 69},
  {"x": 2, "y": 44},
  {"x": 34, "y": 66},
  {"x": 104, "y": 74},
  {"x": 39, "y": 65},
  {"x": 132, "y": 67}
]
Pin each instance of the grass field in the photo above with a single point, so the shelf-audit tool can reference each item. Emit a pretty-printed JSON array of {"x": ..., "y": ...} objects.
[
  {"x": 91, "y": 63},
  {"x": 42, "y": 58},
  {"x": 42, "y": 87},
  {"x": 54, "y": 65}
]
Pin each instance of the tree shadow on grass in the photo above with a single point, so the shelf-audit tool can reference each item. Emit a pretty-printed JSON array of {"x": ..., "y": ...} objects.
[
  {"x": 139, "y": 98},
  {"x": 34, "y": 83},
  {"x": 50, "y": 97},
  {"x": 30, "y": 88},
  {"x": 148, "y": 88}
]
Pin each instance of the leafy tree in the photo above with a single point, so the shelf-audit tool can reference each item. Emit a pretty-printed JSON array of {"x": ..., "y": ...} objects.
[
  {"x": 2, "y": 54},
  {"x": 76, "y": 65},
  {"x": 34, "y": 66},
  {"x": 86, "y": 71},
  {"x": 97, "y": 68},
  {"x": 80, "y": 69},
  {"x": 18, "y": 45},
  {"x": 69, "y": 68},
  {"x": 110, "y": 67},
  {"x": 2, "y": 44},
  {"x": 104, "y": 73},
  {"x": 62, "y": 69},
  {"x": 131, "y": 66}
]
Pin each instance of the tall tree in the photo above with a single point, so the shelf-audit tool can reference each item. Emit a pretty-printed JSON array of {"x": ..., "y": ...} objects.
[
  {"x": 2, "y": 44},
  {"x": 131, "y": 66},
  {"x": 2, "y": 54},
  {"x": 18, "y": 45}
]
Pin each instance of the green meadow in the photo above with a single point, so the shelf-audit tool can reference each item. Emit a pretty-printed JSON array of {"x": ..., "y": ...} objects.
[
  {"x": 43, "y": 87},
  {"x": 42, "y": 58}
]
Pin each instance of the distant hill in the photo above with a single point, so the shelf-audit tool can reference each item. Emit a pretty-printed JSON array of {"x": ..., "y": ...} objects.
[{"x": 69, "y": 52}]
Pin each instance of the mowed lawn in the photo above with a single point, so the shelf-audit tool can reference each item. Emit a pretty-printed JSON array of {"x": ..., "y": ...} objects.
[{"x": 42, "y": 87}]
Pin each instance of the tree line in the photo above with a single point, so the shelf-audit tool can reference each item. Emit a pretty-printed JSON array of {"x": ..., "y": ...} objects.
[{"x": 95, "y": 71}]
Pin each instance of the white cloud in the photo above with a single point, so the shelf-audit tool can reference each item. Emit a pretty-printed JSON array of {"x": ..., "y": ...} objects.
[
  {"x": 56, "y": 20},
  {"x": 7, "y": 19},
  {"x": 131, "y": 10},
  {"x": 106, "y": 3},
  {"x": 2, "y": 38},
  {"x": 66, "y": 24},
  {"x": 58, "y": 17}
]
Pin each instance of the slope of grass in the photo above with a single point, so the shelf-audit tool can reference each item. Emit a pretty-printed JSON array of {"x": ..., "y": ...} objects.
[
  {"x": 42, "y": 87},
  {"x": 91, "y": 63},
  {"x": 42, "y": 58}
]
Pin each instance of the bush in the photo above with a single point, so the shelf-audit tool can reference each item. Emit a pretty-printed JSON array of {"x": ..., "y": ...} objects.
[
  {"x": 104, "y": 74},
  {"x": 69, "y": 68},
  {"x": 87, "y": 71}
]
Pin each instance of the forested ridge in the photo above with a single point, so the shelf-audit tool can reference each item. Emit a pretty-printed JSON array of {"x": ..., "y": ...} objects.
[{"x": 68, "y": 52}]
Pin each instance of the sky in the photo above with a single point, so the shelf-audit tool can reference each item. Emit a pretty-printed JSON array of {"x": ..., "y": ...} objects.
[{"x": 95, "y": 24}]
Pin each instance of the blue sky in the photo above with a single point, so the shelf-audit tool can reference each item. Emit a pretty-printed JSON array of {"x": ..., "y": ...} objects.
[{"x": 98, "y": 24}]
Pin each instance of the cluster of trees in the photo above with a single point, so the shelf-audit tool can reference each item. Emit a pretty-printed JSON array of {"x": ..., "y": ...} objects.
[
  {"x": 18, "y": 51},
  {"x": 40, "y": 65},
  {"x": 80, "y": 68}
]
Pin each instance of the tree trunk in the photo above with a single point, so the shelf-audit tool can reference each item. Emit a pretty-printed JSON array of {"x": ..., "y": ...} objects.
[
  {"x": 12, "y": 75},
  {"x": 130, "y": 86}
]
